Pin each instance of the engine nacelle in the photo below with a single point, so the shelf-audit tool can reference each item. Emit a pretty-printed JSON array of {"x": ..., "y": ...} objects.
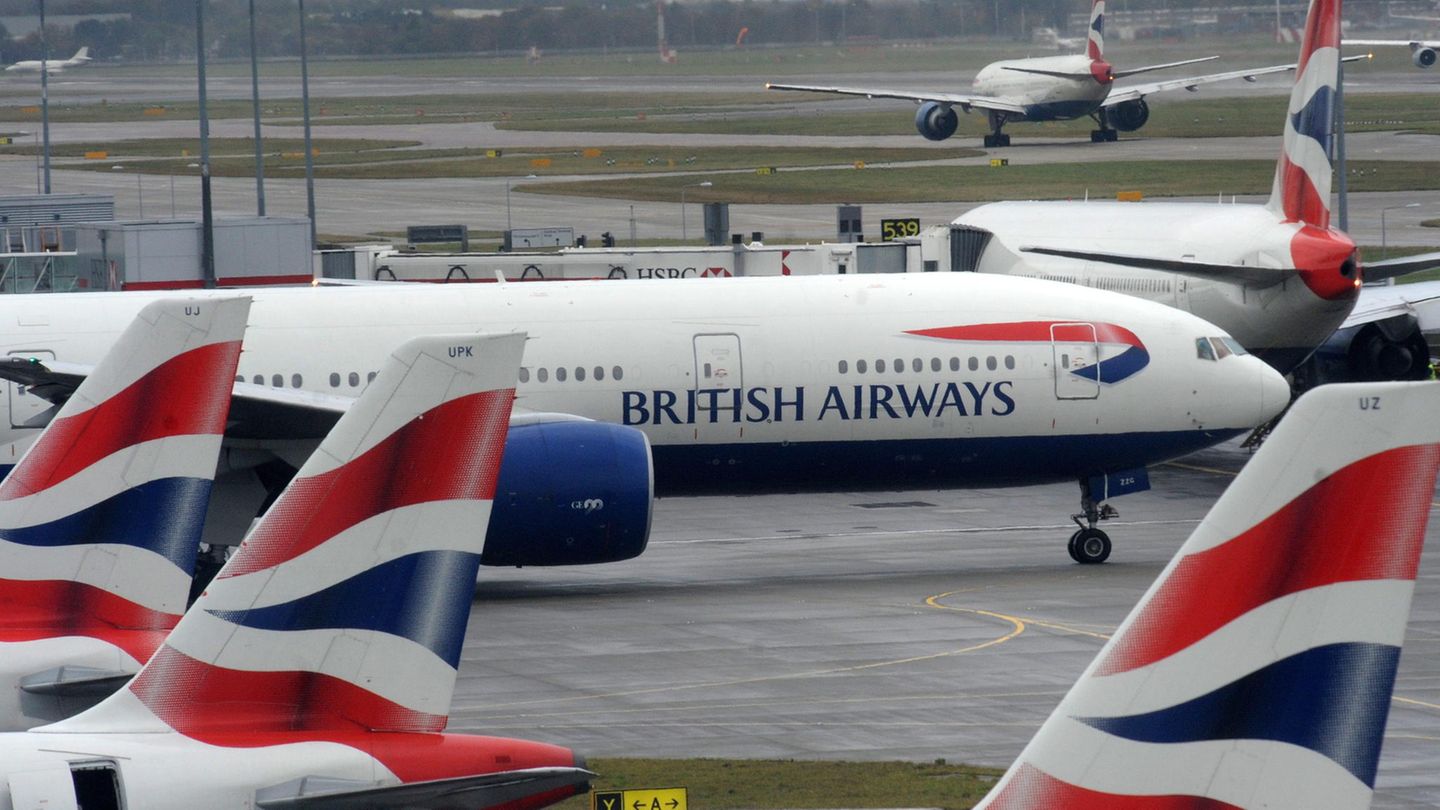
[
  {"x": 1423, "y": 57},
  {"x": 936, "y": 121},
  {"x": 571, "y": 492},
  {"x": 1392, "y": 349},
  {"x": 1129, "y": 116}
]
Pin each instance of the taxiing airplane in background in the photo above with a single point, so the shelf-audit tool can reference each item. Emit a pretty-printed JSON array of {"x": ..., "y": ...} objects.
[
  {"x": 1278, "y": 277},
  {"x": 1257, "y": 671},
  {"x": 749, "y": 385},
  {"x": 1422, "y": 51},
  {"x": 101, "y": 519},
  {"x": 316, "y": 671},
  {"x": 51, "y": 66},
  {"x": 1048, "y": 88}
]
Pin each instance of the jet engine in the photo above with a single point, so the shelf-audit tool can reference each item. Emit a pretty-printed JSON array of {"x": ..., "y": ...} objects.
[
  {"x": 1129, "y": 116},
  {"x": 1392, "y": 349},
  {"x": 570, "y": 492},
  {"x": 936, "y": 121},
  {"x": 1423, "y": 57}
]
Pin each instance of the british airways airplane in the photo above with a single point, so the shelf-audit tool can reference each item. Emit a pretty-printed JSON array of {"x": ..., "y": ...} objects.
[
  {"x": 1257, "y": 671},
  {"x": 746, "y": 385},
  {"x": 316, "y": 671},
  {"x": 1279, "y": 277},
  {"x": 101, "y": 519},
  {"x": 1047, "y": 88}
]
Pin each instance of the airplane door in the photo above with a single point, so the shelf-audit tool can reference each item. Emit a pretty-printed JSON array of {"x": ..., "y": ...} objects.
[
  {"x": 717, "y": 369},
  {"x": 50, "y": 789},
  {"x": 717, "y": 362},
  {"x": 1076, "y": 356},
  {"x": 25, "y": 406}
]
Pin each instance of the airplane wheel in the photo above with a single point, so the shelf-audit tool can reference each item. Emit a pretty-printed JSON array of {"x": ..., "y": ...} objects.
[
  {"x": 1090, "y": 546},
  {"x": 1003, "y": 139}
]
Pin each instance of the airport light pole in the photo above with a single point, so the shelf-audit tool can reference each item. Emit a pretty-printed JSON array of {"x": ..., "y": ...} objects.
[
  {"x": 1385, "y": 248},
  {"x": 45, "y": 95},
  {"x": 704, "y": 184},
  {"x": 255, "y": 105},
  {"x": 305, "y": 109},
  {"x": 207, "y": 211}
]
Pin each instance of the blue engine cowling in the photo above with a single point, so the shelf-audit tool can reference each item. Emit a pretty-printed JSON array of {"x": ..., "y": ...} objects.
[
  {"x": 1129, "y": 116},
  {"x": 571, "y": 492},
  {"x": 936, "y": 121},
  {"x": 1423, "y": 57}
]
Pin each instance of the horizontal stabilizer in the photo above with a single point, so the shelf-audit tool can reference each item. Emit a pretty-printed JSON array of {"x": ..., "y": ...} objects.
[
  {"x": 74, "y": 682},
  {"x": 1404, "y": 266},
  {"x": 477, "y": 792},
  {"x": 1120, "y": 74},
  {"x": 1249, "y": 275},
  {"x": 51, "y": 380}
]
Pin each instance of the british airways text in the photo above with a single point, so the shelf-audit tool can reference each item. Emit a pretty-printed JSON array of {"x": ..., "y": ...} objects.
[{"x": 799, "y": 404}]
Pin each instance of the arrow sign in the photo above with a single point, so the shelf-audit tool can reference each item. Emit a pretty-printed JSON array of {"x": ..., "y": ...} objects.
[{"x": 646, "y": 799}]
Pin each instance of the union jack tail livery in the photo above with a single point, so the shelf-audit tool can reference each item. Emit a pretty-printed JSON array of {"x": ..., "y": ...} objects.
[
  {"x": 1095, "y": 44},
  {"x": 1301, "y": 192},
  {"x": 1258, "y": 669},
  {"x": 335, "y": 631},
  {"x": 101, "y": 519}
]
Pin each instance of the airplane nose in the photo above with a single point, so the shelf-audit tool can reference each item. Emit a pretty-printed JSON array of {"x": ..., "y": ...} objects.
[{"x": 1274, "y": 391}]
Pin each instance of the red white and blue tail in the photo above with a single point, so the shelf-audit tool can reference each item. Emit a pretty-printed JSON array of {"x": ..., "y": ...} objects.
[
  {"x": 344, "y": 610},
  {"x": 1258, "y": 669},
  {"x": 101, "y": 519},
  {"x": 1095, "y": 41},
  {"x": 1301, "y": 192}
]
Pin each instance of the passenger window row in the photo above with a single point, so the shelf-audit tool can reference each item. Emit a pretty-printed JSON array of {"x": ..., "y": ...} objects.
[
  {"x": 917, "y": 365},
  {"x": 562, "y": 374}
]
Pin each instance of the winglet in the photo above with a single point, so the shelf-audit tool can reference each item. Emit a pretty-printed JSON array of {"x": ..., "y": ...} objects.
[
  {"x": 345, "y": 608},
  {"x": 1257, "y": 671}
]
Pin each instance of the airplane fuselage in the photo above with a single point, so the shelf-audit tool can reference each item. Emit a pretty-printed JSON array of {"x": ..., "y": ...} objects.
[
  {"x": 1045, "y": 98},
  {"x": 1282, "y": 322},
  {"x": 786, "y": 383}
]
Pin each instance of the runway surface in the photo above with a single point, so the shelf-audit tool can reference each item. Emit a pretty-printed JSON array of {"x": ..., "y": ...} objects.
[{"x": 897, "y": 625}]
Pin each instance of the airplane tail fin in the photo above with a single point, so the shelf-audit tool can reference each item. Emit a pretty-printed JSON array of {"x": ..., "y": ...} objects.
[
  {"x": 82, "y": 55},
  {"x": 1257, "y": 671},
  {"x": 100, "y": 520},
  {"x": 345, "y": 608},
  {"x": 1301, "y": 191},
  {"x": 1095, "y": 43}
]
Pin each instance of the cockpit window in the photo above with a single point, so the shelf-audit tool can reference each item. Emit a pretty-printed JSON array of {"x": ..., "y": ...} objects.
[
  {"x": 1221, "y": 350},
  {"x": 1234, "y": 345},
  {"x": 1203, "y": 350}
]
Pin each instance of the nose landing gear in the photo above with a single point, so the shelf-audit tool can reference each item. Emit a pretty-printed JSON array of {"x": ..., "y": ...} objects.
[{"x": 1089, "y": 545}]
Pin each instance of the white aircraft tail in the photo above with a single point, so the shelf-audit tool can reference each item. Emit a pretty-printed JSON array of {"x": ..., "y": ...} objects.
[
  {"x": 1257, "y": 671},
  {"x": 1301, "y": 191},
  {"x": 81, "y": 56},
  {"x": 101, "y": 518},
  {"x": 345, "y": 607},
  {"x": 1095, "y": 43}
]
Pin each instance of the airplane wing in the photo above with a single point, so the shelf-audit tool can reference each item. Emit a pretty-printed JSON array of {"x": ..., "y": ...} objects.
[
  {"x": 1403, "y": 266},
  {"x": 1398, "y": 43},
  {"x": 478, "y": 792},
  {"x": 1249, "y": 275},
  {"x": 965, "y": 102},
  {"x": 1379, "y": 302},
  {"x": 1120, "y": 95}
]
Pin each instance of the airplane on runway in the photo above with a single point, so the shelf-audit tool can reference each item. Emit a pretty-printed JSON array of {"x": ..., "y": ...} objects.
[
  {"x": 53, "y": 66},
  {"x": 316, "y": 671},
  {"x": 1422, "y": 51},
  {"x": 747, "y": 385},
  {"x": 1048, "y": 88},
  {"x": 1278, "y": 277},
  {"x": 101, "y": 519},
  {"x": 1257, "y": 671}
]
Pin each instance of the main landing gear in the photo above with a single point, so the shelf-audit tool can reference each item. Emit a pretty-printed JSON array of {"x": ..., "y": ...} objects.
[
  {"x": 996, "y": 138},
  {"x": 1089, "y": 545},
  {"x": 1106, "y": 133}
]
